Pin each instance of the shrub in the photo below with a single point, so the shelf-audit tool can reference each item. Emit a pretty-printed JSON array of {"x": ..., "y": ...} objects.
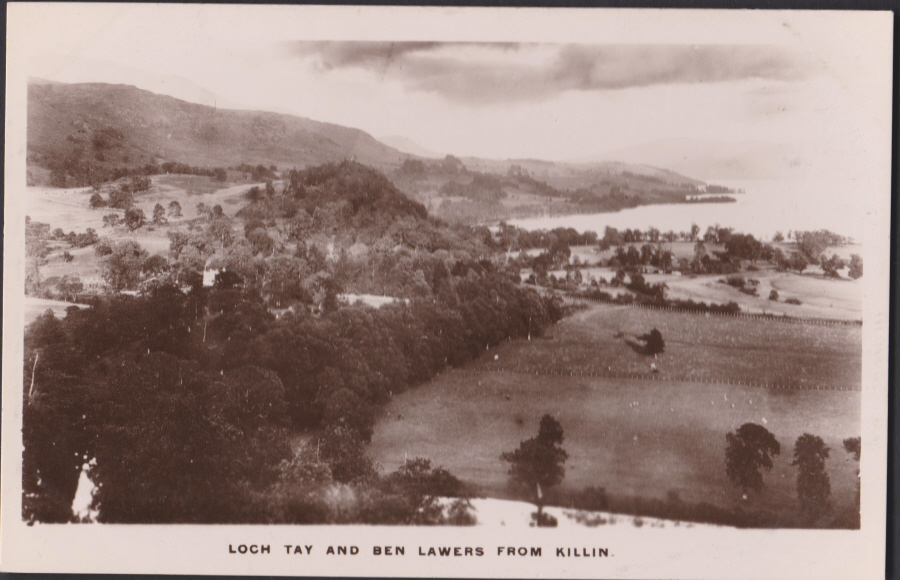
[
  {"x": 773, "y": 295},
  {"x": 793, "y": 301},
  {"x": 543, "y": 520}
]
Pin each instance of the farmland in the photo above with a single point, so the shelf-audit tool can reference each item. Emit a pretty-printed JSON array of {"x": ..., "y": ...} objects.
[
  {"x": 603, "y": 338},
  {"x": 640, "y": 437}
]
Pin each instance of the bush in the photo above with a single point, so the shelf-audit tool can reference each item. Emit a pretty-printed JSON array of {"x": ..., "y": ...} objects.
[
  {"x": 773, "y": 295},
  {"x": 793, "y": 301},
  {"x": 543, "y": 520}
]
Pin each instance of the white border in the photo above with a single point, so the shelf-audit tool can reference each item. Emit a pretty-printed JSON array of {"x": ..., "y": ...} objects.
[{"x": 865, "y": 40}]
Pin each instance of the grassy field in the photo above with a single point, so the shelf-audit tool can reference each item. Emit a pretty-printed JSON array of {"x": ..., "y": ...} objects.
[
  {"x": 602, "y": 338},
  {"x": 639, "y": 437}
]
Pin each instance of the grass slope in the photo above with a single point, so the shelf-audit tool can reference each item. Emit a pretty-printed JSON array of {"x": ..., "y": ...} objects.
[{"x": 130, "y": 126}]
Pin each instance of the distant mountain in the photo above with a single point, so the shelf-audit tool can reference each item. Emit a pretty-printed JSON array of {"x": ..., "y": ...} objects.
[
  {"x": 409, "y": 146},
  {"x": 115, "y": 125},
  {"x": 711, "y": 160}
]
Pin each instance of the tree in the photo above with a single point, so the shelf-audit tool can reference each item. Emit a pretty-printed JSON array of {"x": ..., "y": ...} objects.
[
  {"x": 853, "y": 446},
  {"x": 832, "y": 265},
  {"x": 69, "y": 286},
  {"x": 778, "y": 237},
  {"x": 773, "y": 295},
  {"x": 122, "y": 269},
  {"x": 798, "y": 262},
  {"x": 655, "y": 342},
  {"x": 813, "y": 487},
  {"x": 36, "y": 250},
  {"x": 749, "y": 449},
  {"x": 121, "y": 198},
  {"x": 111, "y": 220},
  {"x": 97, "y": 201},
  {"x": 134, "y": 218},
  {"x": 856, "y": 266},
  {"x": 695, "y": 231},
  {"x": 175, "y": 209},
  {"x": 159, "y": 214},
  {"x": 538, "y": 462}
]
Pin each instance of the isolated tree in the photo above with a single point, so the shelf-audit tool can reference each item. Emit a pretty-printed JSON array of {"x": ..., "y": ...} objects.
[
  {"x": 750, "y": 448},
  {"x": 134, "y": 218},
  {"x": 773, "y": 295},
  {"x": 174, "y": 209},
  {"x": 67, "y": 256},
  {"x": 538, "y": 462},
  {"x": 97, "y": 200},
  {"x": 655, "y": 343},
  {"x": 121, "y": 198},
  {"x": 813, "y": 486},
  {"x": 856, "y": 266},
  {"x": 778, "y": 238},
  {"x": 159, "y": 214},
  {"x": 111, "y": 220},
  {"x": 798, "y": 262},
  {"x": 695, "y": 231},
  {"x": 832, "y": 265}
]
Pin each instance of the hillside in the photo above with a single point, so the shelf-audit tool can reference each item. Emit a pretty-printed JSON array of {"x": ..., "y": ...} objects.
[
  {"x": 92, "y": 133},
  {"x": 120, "y": 125}
]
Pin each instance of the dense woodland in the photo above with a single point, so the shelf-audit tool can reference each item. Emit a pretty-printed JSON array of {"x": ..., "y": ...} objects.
[{"x": 190, "y": 401}]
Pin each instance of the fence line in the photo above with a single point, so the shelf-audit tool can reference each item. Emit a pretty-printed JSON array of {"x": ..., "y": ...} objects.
[
  {"x": 649, "y": 377},
  {"x": 749, "y": 315}
]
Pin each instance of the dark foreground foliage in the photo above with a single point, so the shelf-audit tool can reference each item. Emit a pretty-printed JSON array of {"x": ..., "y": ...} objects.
[{"x": 187, "y": 401}]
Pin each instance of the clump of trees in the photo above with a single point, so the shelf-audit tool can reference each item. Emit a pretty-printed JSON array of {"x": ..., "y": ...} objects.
[{"x": 538, "y": 463}]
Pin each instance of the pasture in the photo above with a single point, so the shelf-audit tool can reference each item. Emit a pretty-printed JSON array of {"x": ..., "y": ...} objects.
[
  {"x": 602, "y": 338},
  {"x": 640, "y": 437}
]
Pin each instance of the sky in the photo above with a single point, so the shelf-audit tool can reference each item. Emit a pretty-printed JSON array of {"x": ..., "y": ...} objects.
[{"x": 545, "y": 84}]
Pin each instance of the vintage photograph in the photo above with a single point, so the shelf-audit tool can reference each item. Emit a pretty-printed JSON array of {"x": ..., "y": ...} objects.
[{"x": 592, "y": 285}]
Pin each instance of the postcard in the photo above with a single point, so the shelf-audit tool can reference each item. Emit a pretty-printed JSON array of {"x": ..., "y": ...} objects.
[{"x": 455, "y": 292}]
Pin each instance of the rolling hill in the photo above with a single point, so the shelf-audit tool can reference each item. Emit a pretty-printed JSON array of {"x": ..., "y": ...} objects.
[{"x": 118, "y": 125}]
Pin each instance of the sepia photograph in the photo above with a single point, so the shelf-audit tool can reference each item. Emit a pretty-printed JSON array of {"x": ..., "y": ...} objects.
[{"x": 480, "y": 290}]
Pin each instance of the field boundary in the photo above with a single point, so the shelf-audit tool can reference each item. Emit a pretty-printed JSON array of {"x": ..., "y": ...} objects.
[
  {"x": 748, "y": 315},
  {"x": 649, "y": 377}
]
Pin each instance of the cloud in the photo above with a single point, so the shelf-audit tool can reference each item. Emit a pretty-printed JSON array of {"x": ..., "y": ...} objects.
[{"x": 494, "y": 73}]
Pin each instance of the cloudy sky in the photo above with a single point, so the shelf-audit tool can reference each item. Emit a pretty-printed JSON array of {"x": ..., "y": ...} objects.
[{"x": 556, "y": 85}]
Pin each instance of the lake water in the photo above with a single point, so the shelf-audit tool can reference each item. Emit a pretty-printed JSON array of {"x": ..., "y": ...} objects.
[{"x": 766, "y": 207}]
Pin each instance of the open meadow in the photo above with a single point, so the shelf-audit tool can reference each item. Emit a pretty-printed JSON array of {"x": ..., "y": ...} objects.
[{"x": 641, "y": 436}]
